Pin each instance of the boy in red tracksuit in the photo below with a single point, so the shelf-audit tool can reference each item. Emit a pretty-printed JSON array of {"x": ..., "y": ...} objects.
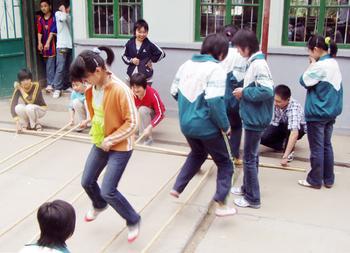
[{"x": 149, "y": 105}]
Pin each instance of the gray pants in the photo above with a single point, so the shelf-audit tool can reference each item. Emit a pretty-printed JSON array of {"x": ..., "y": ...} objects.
[
  {"x": 146, "y": 114},
  {"x": 80, "y": 109},
  {"x": 29, "y": 114}
]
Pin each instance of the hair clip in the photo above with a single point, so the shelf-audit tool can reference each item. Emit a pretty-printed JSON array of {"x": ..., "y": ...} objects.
[
  {"x": 96, "y": 50},
  {"x": 95, "y": 62},
  {"x": 327, "y": 40}
]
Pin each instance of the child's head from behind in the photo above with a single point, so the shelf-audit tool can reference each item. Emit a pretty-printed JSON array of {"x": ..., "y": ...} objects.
[
  {"x": 318, "y": 46},
  {"x": 90, "y": 67},
  {"x": 25, "y": 77},
  {"x": 64, "y": 6},
  {"x": 78, "y": 86},
  {"x": 246, "y": 42},
  {"x": 57, "y": 223},
  {"x": 229, "y": 31},
  {"x": 141, "y": 30},
  {"x": 138, "y": 84},
  {"x": 45, "y": 6},
  {"x": 216, "y": 45}
]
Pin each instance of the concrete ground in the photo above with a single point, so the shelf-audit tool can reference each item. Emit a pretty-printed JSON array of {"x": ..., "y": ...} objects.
[{"x": 291, "y": 219}]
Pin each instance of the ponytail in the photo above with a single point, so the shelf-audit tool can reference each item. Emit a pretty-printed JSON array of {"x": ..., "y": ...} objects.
[
  {"x": 333, "y": 48},
  {"x": 88, "y": 60},
  {"x": 323, "y": 43}
]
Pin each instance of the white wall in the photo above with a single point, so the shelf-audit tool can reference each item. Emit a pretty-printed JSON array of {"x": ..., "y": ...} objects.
[{"x": 80, "y": 19}]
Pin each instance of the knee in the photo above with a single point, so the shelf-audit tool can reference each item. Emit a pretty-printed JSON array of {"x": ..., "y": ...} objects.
[
  {"x": 144, "y": 110},
  {"x": 106, "y": 193},
  {"x": 77, "y": 104},
  {"x": 30, "y": 108},
  {"x": 19, "y": 108},
  {"x": 86, "y": 183}
]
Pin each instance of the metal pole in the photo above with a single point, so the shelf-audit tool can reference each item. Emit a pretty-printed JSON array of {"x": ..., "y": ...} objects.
[{"x": 265, "y": 33}]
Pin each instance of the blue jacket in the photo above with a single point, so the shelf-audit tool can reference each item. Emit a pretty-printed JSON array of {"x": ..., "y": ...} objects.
[
  {"x": 148, "y": 52},
  {"x": 199, "y": 88},
  {"x": 323, "y": 81},
  {"x": 256, "y": 104}
]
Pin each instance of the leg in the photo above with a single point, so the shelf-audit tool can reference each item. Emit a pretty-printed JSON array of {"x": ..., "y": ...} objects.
[
  {"x": 217, "y": 149},
  {"x": 94, "y": 165},
  {"x": 328, "y": 164},
  {"x": 22, "y": 114},
  {"x": 50, "y": 70},
  {"x": 236, "y": 134},
  {"x": 67, "y": 63},
  {"x": 251, "y": 187},
  {"x": 193, "y": 163},
  {"x": 274, "y": 137},
  {"x": 79, "y": 108},
  {"x": 316, "y": 139},
  {"x": 60, "y": 69},
  {"x": 117, "y": 162},
  {"x": 145, "y": 114},
  {"x": 34, "y": 112}
]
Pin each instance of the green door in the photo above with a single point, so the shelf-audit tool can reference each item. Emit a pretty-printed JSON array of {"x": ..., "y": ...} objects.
[{"x": 12, "y": 50}]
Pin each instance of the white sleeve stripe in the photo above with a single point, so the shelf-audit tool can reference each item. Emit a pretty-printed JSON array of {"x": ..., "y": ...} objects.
[
  {"x": 161, "y": 50},
  {"x": 160, "y": 110}
]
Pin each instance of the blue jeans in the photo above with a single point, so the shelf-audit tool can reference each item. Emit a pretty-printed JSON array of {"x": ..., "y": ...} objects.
[
  {"x": 116, "y": 162},
  {"x": 322, "y": 160},
  {"x": 250, "y": 185},
  {"x": 236, "y": 130},
  {"x": 50, "y": 63},
  {"x": 63, "y": 61},
  {"x": 200, "y": 148}
]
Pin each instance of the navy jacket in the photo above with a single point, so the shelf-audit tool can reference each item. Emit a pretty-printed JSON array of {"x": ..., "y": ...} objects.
[{"x": 147, "y": 52}]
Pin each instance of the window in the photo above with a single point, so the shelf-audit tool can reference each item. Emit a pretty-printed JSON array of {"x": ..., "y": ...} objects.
[
  {"x": 113, "y": 18},
  {"x": 303, "y": 18},
  {"x": 10, "y": 19},
  {"x": 212, "y": 15}
]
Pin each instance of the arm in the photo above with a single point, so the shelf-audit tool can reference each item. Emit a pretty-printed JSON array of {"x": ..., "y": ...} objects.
[
  {"x": 313, "y": 75},
  {"x": 40, "y": 35},
  {"x": 126, "y": 57},
  {"x": 257, "y": 93},
  {"x": 293, "y": 137},
  {"x": 158, "y": 109},
  {"x": 175, "y": 85},
  {"x": 47, "y": 44},
  {"x": 157, "y": 53},
  {"x": 61, "y": 16},
  {"x": 14, "y": 102}
]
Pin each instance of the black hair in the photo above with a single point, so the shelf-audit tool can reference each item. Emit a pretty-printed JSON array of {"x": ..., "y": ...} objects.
[
  {"x": 320, "y": 42},
  {"x": 57, "y": 223},
  {"x": 229, "y": 31},
  {"x": 45, "y": 1},
  {"x": 283, "y": 91},
  {"x": 87, "y": 62},
  {"x": 215, "y": 44},
  {"x": 66, "y": 3},
  {"x": 139, "y": 24},
  {"x": 24, "y": 74},
  {"x": 246, "y": 39},
  {"x": 138, "y": 79}
]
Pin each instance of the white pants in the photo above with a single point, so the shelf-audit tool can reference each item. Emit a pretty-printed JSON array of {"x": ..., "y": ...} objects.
[
  {"x": 29, "y": 114},
  {"x": 146, "y": 114},
  {"x": 80, "y": 109}
]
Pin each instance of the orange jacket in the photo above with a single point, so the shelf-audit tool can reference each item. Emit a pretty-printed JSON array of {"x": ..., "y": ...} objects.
[{"x": 120, "y": 114}]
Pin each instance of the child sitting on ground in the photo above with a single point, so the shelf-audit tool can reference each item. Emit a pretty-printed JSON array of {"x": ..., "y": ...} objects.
[
  {"x": 77, "y": 105},
  {"x": 149, "y": 105},
  {"x": 57, "y": 223},
  {"x": 27, "y": 115}
]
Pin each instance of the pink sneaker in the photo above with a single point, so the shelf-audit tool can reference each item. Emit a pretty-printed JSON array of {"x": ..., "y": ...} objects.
[
  {"x": 175, "y": 194},
  {"x": 93, "y": 213},
  {"x": 133, "y": 232}
]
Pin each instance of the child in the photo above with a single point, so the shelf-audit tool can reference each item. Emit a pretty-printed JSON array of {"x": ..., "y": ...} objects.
[
  {"x": 150, "y": 106},
  {"x": 78, "y": 105},
  {"x": 256, "y": 104},
  {"x": 46, "y": 25},
  {"x": 64, "y": 48},
  {"x": 57, "y": 223},
  {"x": 140, "y": 52},
  {"x": 27, "y": 115},
  {"x": 114, "y": 121},
  {"x": 199, "y": 88},
  {"x": 235, "y": 66},
  {"x": 324, "y": 102}
]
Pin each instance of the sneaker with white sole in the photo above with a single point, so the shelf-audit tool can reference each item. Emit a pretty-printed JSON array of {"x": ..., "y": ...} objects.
[
  {"x": 236, "y": 191},
  {"x": 56, "y": 94},
  {"x": 223, "y": 211},
  {"x": 93, "y": 213},
  {"x": 133, "y": 232},
  {"x": 49, "y": 88},
  {"x": 174, "y": 193},
  {"x": 290, "y": 157},
  {"x": 242, "y": 202}
]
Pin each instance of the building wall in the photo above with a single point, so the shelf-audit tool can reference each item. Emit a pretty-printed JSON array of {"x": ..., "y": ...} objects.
[{"x": 173, "y": 29}]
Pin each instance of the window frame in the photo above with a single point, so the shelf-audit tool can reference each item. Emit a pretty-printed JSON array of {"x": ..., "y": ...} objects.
[
  {"x": 115, "y": 34},
  {"x": 228, "y": 17},
  {"x": 320, "y": 24}
]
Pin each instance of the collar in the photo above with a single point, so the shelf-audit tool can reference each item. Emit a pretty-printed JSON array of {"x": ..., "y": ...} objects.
[
  {"x": 327, "y": 56},
  {"x": 203, "y": 58},
  {"x": 258, "y": 55}
]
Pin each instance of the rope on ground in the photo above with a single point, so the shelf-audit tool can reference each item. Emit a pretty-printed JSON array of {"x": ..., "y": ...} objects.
[
  {"x": 171, "y": 218},
  {"x": 33, "y": 145},
  {"x": 38, "y": 150}
]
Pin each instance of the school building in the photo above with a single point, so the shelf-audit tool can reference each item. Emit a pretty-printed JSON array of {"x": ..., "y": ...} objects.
[{"x": 178, "y": 26}]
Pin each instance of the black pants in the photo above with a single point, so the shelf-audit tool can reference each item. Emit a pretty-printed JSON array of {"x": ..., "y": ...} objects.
[{"x": 276, "y": 137}]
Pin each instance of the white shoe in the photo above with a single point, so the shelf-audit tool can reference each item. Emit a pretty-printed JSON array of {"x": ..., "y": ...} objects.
[
  {"x": 223, "y": 211},
  {"x": 93, "y": 213},
  {"x": 174, "y": 193},
  {"x": 49, "y": 88},
  {"x": 133, "y": 232},
  {"x": 56, "y": 94},
  {"x": 290, "y": 157},
  {"x": 236, "y": 191},
  {"x": 242, "y": 202}
]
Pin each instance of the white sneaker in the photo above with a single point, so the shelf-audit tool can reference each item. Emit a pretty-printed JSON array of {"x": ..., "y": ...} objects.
[
  {"x": 236, "y": 191},
  {"x": 133, "y": 232},
  {"x": 56, "y": 94},
  {"x": 93, "y": 213},
  {"x": 49, "y": 88},
  {"x": 290, "y": 157},
  {"x": 223, "y": 211},
  {"x": 174, "y": 193},
  {"x": 242, "y": 202}
]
